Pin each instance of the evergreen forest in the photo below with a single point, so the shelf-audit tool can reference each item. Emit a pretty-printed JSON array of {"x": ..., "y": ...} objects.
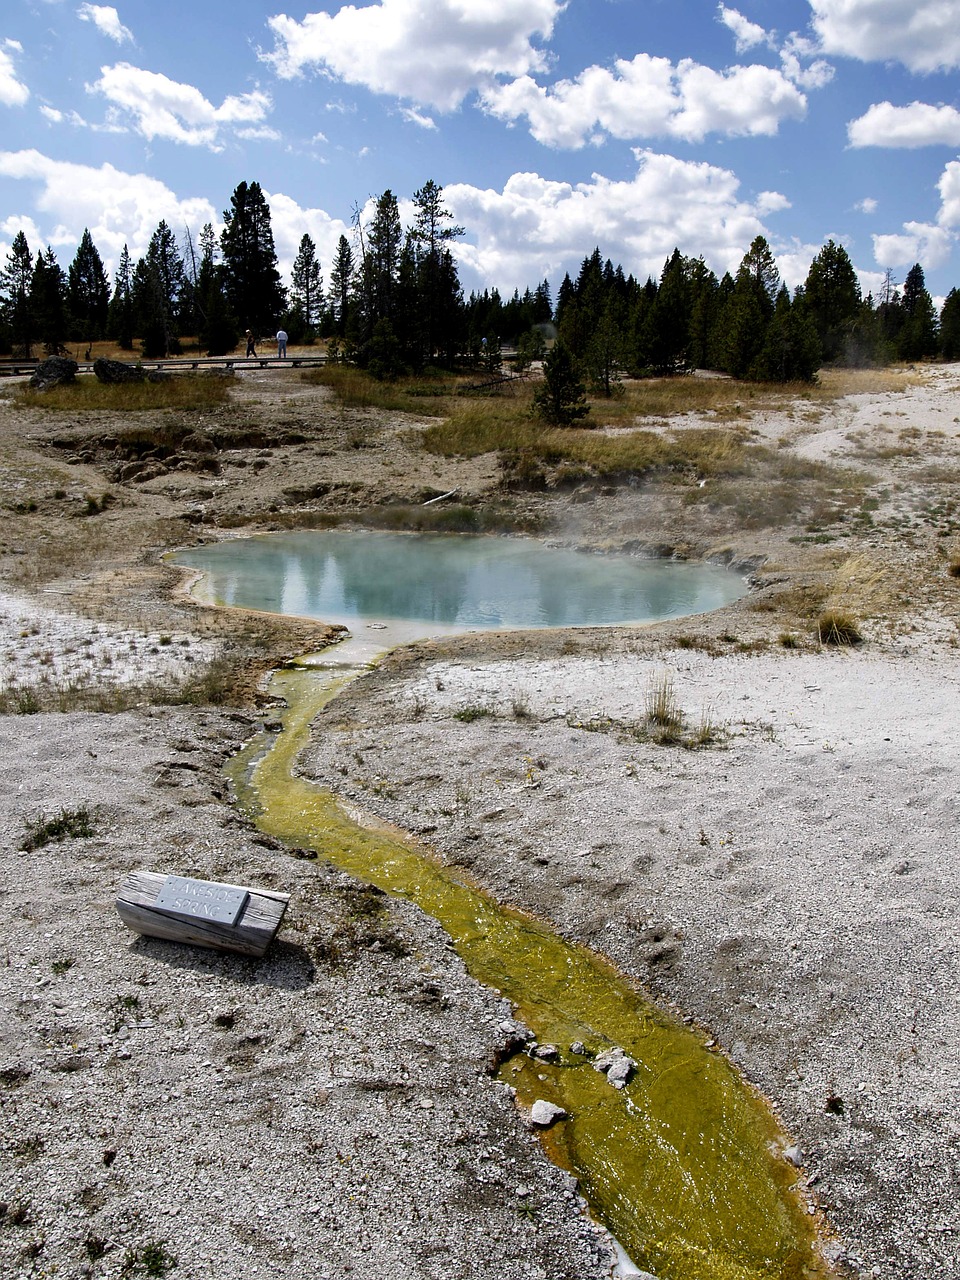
[{"x": 390, "y": 301}]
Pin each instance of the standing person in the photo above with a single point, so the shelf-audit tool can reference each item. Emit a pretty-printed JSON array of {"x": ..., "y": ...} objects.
[
  {"x": 282, "y": 344},
  {"x": 251, "y": 345}
]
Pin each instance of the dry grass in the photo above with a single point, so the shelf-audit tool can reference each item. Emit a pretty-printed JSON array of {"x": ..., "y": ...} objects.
[
  {"x": 834, "y": 627},
  {"x": 87, "y": 394}
]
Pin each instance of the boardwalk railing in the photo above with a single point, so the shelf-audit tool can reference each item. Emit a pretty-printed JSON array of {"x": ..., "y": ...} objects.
[{"x": 24, "y": 368}]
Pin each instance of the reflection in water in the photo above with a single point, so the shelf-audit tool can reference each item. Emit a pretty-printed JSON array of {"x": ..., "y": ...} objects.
[{"x": 452, "y": 580}]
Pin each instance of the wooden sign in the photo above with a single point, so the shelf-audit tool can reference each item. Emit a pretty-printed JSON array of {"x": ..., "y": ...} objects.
[{"x": 202, "y": 913}]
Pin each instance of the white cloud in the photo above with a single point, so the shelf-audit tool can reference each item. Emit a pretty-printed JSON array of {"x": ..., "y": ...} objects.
[
  {"x": 815, "y": 76},
  {"x": 118, "y": 207},
  {"x": 649, "y": 97},
  {"x": 433, "y": 52},
  {"x": 415, "y": 117},
  {"x": 52, "y": 114},
  {"x": 13, "y": 92},
  {"x": 867, "y": 205},
  {"x": 771, "y": 202},
  {"x": 918, "y": 242},
  {"x": 949, "y": 188},
  {"x": 747, "y": 34},
  {"x": 262, "y": 133},
  {"x": 917, "y": 125},
  {"x": 922, "y": 34},
  {"x": 164, "y": 108},
  {"x": 536, "y": 228},
  {"x": 106, "y": 19},
  {"x": 289, "y": 222},
  {"x": 11, "y": 227}
]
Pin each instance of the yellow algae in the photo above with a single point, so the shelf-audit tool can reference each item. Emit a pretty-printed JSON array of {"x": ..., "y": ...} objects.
[{"x": 684, "y": 1164}]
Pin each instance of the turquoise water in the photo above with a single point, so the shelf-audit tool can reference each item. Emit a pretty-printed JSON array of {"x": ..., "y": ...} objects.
[{"x": 451, "y": 581}]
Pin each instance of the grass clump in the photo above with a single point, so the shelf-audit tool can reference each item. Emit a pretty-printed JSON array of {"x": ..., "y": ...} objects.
[
  {"x": 467, "y": 715},
  {"x": 665, "y": 722},
  {"x": 73, "y": 824},
  {"x": 87, "y": 394},
  {"x": 953, "y": 568},
  {"x": 835, "y": 627},
  {"x": 152, "y": 1260}
]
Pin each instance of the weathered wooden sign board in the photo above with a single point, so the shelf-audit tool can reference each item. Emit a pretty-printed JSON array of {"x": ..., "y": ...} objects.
[{"x": 203, "y": 913}]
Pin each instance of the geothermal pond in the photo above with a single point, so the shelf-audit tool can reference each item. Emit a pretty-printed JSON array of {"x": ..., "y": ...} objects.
[
  {"x": 684, "y": 1164},
  {"x": 451, "y": 582}
]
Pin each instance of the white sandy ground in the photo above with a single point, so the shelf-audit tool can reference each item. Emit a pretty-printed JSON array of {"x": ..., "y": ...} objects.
[
  {"x": 324, "y": 1113},
  {"x": 794, "y": 887}
]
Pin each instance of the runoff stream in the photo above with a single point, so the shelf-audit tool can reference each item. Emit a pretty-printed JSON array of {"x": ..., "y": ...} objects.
[{"x": 685, "y": 1164}]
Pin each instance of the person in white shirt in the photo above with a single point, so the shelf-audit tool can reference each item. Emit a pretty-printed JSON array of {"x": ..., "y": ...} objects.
[{"x": 282, "y": 344}]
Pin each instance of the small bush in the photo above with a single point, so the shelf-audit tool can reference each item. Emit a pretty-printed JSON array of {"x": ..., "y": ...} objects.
[
  {"x": 74, "y": 824},
  {"x": 838, "y": 628},
  {"x": 953, "y": 569},
  {"x": 788, "y": 640},
  {"x": 469, "y": 714}
]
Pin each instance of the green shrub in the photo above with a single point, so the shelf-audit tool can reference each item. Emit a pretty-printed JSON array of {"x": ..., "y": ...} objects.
[{"x": 75, "y": 824}]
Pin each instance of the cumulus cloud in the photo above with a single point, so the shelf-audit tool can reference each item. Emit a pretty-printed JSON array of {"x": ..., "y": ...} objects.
[
  {"x": 433, "y": 52},
  {"x": 747, "y": 34},
  {"x": 949, "y": 188},
  {"x": 106, "y": 19},
  {"x": 164, "y": 108},
  {"x": 867, "y": 205},
  {"x": 536, "y": 228},
  {"x": 922, "y": 34},
  {"x": 917, "y": 125},
  {"x": 289, "y": 221},
  {"x": 118, "y": 207},
  {"x": 649, "y": 97},
  {"x": 922, "y": 242},
  {"x": 13, "y": 92}
]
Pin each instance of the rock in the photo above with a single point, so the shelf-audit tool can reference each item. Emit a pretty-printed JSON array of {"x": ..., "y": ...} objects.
[
  {"x": 117, "y": 371},
  {"x": 197, "y": 442},
  {"x": 793, "y": 1155},
  {"x": 616, "y": 1066},
  {"x": 579, "y": 1048},
  {"x": 55, "y": 372},
  {"x": 546, "y": 1052},
  {"x": 543, "y": 1113}
]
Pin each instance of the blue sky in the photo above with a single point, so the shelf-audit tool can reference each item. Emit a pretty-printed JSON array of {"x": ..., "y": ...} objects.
[{"x": 635, "y": 125}]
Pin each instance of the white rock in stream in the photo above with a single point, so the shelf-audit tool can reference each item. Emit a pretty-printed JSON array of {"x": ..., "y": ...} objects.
[
  {"x": 543, "y": 1113},
  {"x": 616, "y": 1066}
]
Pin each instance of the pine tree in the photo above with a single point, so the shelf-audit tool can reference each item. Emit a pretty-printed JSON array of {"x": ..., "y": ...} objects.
[
  {"x": 832, "y": 294},
  {"x": 560, "y": 399},
  {"x": 341, "y": 282},
  {"x": 437, "y": 282},
  {"x": 16, "y": 282},
  {"x": 48, "y": 300},
  {"x": 254, "y": 289},
  {"x": 306, "y": 286},
  {"x": 950, "y": 326},
  {"x": 379, "y": 269},
  {"x": 791, "y": 350},
  {"x": 120, "y": 311},
  {"x": 157, "y": 286},
  {"x": 88, "y": 292},
  {"x": 917, "y": 339}
]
